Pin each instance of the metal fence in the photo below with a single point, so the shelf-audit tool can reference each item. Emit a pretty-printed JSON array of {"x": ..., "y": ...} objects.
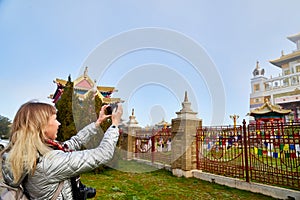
[
  {"x": 220, "y": 150},
  {"x": 155, "y": 147},
  {"x": 267, "y": 153}
]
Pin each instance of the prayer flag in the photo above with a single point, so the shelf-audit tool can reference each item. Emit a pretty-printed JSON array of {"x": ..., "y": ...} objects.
[
  {"x": 292, "y": 147},
  {"x": 293, "y": 155},
  {"x": 255, "y": 150},
  {"x": 286, "y": 147},
  {"x": 275, "y": 155},
  {"x": 260, "y": 152},
  {"x": 265, "y": 152},
  {"x": 281, "y": 146},
  {"x": 287, "y": 155}
]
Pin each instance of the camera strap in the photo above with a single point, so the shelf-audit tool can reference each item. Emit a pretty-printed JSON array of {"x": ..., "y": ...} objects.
[{"x": 58, "y": 190}]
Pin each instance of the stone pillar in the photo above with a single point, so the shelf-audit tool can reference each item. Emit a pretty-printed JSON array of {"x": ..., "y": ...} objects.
[
  {"x": 184, "y": 129},
  {"x": 131, "y": 128}
]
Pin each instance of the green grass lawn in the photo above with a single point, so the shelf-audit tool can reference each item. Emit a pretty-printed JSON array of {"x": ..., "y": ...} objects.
[{"x": 157, "y": 184}]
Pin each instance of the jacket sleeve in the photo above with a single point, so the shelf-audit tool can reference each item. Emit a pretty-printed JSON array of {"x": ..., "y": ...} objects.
[
  {"x": 58, "y": 165},
  {"x": 82, "y": 137}
]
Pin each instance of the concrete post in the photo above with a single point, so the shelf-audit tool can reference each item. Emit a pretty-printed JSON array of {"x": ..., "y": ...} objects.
[
  {"x": 184, "y": 129},
  {"x": 131, "y": 128}
]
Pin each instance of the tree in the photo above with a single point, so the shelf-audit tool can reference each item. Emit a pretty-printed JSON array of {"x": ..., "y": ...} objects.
[
  {"x": 75, "y": 114},
  {"x": 4, "y": 127},
  {"x": 65, "y": 112},
  {"x": 86, "y": 113}
]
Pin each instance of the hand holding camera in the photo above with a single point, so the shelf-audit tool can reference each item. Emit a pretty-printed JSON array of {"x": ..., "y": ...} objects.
[
  {"x": 113, "y": 110},
  {"x": 109, "y": 110},
  {"x": 117, "y": 111}
]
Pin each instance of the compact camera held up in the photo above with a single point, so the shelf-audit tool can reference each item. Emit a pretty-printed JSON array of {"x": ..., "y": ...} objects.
[{"x": 111, "y": 108}]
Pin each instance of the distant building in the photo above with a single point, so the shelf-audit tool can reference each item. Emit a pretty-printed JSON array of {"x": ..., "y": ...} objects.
[
  {"x": 82, "y": 85},
  {"x": 283, "y": 90}
]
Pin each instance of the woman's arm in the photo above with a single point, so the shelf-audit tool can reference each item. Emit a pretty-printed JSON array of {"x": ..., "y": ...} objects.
[
  {"x": 84, "y": 135},
  {"x": 61, "y": 165}
]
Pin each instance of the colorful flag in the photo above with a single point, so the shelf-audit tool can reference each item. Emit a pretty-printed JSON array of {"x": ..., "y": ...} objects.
[
  {"x": 292, "y": 147},
  {"x": 286, "y": 147},
  {"x": 287, "y": 155},
  {"x": 281, "y": 147},
  {"x": 260, "y": 152},
  {"x": 293, "y": 155},
  {"x": 265, "y": 152},
  {"x": 255, "y": 150}
]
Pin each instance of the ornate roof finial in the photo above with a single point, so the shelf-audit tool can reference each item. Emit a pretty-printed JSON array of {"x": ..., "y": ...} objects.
[
  {"x": 85, "y": 72},
  {"x": 257, "y": 64},
  {"x": 186, "y": 97},
  {"x": 95, "y": 86},
  {"x": 186, "y": 105},
  {"x": 258, "y": 71},
  {"x": 132, "y": 121},
  {"x": 267, "y": 100},
  {"x": 186, "y": 110}
]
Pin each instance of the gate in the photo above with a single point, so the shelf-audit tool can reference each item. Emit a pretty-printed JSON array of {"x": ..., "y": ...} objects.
[
  {"x": 154, "y": 146},
  {"x": 220, "y": 150},
  {"x": 163, "y": 145}
]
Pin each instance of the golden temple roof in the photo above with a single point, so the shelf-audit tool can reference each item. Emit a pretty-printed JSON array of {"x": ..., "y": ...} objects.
[
  {"x": 267, "y": 107},
  {"x": 61, "y": 81},
  {"x": 286, "y": 58}
]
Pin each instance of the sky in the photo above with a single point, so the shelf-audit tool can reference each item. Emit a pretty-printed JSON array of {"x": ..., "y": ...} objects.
[{"x": 44, "y": 40}]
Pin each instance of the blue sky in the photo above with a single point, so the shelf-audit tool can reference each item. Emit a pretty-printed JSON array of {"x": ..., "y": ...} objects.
[{"x": 44, "y": 40}]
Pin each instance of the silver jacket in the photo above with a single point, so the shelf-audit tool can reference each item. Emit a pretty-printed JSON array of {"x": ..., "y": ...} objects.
[{"x": 57, "y": 166}]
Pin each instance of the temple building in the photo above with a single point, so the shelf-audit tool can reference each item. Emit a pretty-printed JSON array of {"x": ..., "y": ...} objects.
[
  {"x": 82, "y": 85},
  {"x": 283, "y": 90}
]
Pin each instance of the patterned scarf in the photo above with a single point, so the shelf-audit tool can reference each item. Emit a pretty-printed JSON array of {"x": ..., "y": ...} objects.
[{"x": 58, "y": 145}]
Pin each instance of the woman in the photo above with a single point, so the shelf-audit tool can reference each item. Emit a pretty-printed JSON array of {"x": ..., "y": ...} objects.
[{"x": 30, "y": 159}]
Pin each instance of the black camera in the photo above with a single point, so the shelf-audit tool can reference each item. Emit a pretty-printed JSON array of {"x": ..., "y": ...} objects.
[
  {"x": 86, "y": 192},
  {"x": 110, "y": 108},
  {"x": 80, "y": 191}
]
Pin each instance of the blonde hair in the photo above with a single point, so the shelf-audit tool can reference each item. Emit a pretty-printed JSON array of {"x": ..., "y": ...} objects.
[{"x": 27, "y": 139}]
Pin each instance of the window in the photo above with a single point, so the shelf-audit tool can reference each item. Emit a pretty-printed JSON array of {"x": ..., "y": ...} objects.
[
  {"x": 297, "y": 68},
  {"x": 287, "y": 72},
  {"x": 267, "y": 86},
  {"x": 256, "y": 87}
]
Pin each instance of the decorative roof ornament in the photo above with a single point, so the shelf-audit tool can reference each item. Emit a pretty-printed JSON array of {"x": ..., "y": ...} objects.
[
  {"x": 85, "y": 73},
  {"x": 94, "y": 89},
  {"x": 186, "y": 111},
  {"x": 186, "y": 105},
  {"x": 132, "y": 121},
  {"x": 258, "y": 71},
  {"x": 163, "y": 124}
]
